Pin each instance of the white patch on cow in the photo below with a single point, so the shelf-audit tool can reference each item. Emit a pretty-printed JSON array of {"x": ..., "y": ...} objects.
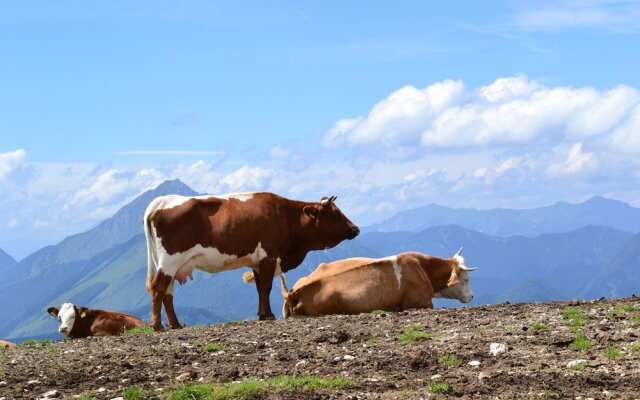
[
  {"x": 460, "y": 291},
  {"x": 67, "y": 316},
  {"x": 397, "y": 269},
  {"x": 208, "y": 259},
  {"x": 174, "y": 200}
]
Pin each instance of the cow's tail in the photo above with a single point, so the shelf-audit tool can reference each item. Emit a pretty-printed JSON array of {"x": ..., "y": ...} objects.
[
  {"x": 248, "y": 277},
  {"x": 152, "y": 254},
  {"x": 286, "y": 306}
]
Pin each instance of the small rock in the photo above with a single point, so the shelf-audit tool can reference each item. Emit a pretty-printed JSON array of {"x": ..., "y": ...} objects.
[
  {"x": 474, "y": 363},
  {"x": 101, "y": 390},
  {"x": 187, "y": 345},
  {"x": 301, "y": 363},
  {"x": 3, "y": 383},
  {"x": 482, "y": 375},
  {"x": 573, "y": 363},
  {"x": 348, "y": 357},
  {"x": 495, "y": 349},
  {"x": 118, "y": 398},
  {"x": 13, "y": 362},
  {"x": 51, "y": 394},
  {"x": 182, "y": 377},
  {"x": 337, "y": 358},
  {"x": 436, "y": 377}
]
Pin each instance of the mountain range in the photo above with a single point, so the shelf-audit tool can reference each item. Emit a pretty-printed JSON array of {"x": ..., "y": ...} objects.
[{"x": 580, "y": 255}]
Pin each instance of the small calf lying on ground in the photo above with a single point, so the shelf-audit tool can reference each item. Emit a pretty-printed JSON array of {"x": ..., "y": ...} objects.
[
  {"x": 358, "y": 285},
  {"x": 82, "y": 322}
]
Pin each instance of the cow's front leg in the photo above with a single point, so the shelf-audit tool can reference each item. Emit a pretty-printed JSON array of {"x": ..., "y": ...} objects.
[{"x": 264, "y": 281}]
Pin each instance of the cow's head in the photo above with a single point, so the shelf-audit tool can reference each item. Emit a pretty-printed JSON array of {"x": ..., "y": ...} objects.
[
  {"x": 67, "y": 316},
  {"x": 458, "y": 285},
  {"x": 331, "y": 224}
]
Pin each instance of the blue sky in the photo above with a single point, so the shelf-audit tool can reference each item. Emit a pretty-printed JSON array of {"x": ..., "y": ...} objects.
[{"x": 387, "y": 105}]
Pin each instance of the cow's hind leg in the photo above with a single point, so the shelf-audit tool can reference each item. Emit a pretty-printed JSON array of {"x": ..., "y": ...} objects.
[
  {"x": 168, "y": 308},
  {"x": 159, "y": 286},
  {"x": 264, "y": 282}
]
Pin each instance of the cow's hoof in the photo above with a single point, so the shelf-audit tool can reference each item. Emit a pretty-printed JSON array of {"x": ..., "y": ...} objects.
[
  {"x": 268, "y": 317},
  {"x": 178, "y": 326},
  {"x": 158, "y": 328}
]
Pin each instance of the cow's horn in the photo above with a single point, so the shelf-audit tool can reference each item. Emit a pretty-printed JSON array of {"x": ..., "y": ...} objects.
[
  {"x": 332, "y": 199},
  {"x": 465, "y": 268},
  {"x": 325, "y": 200},
  {"x": 459, "y": 252}
]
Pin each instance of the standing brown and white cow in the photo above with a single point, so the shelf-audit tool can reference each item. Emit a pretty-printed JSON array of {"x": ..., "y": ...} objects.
[
  {"x": 357, "y": 285},
  {"x": 269, "y": 233}
]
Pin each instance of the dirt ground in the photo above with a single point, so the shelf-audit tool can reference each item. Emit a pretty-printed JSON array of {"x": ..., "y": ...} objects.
[{"x": 365, "y": 348}]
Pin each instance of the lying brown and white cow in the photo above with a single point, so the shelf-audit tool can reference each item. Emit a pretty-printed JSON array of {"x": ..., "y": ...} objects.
[
  {"x": 358, "y": 285},
  {"x": 4, "y": 344},
  {"x": 269, "y": 233},
  {"x": 82, "y": 322}
]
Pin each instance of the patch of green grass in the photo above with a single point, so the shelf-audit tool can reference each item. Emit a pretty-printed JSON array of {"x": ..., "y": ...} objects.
[
  {"x": 237, "y": 322},
  {"x": 578, "y": 367},
  {"x": 581, "y": 343},
  {"x": 599, "y": 304},
  {"x": 636, "y": 320},
  {"x": 372, "y": 341},
  {"x": 249, "y": 387},
  {"x": 142, "y": 330},
  {"x": 483, "y": 329},
  {"x": 575, "y": 316},
  {"x": 407, "y": 393},
  {"x": 29, "y": 342},
  {"x": 550, "y": 394},
  {"x": 539, "y": 326},
  {"x": 612, "y": 353},
  {"x": 449, "y": 361},
  {"x": 376, "y": 312},
  {"x": 444, "y": 388},
  {"x": 413, "y": 333},
  {"x": 137, "y": 394},
  {"x": 52, "y": 349},
  {"x": 211, "y": 347},
  {"x": 635, "y": 347},
  {"x": 621, "y": 309}
]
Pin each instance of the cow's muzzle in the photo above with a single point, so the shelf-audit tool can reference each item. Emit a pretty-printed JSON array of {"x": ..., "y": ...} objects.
[{"x": 353, "y": 232}]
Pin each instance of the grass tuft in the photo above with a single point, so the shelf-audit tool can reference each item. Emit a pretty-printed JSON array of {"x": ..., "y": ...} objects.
[
  {"x": 449, "y": 361},
  {"x": 143, "y": 330},
  {"x": 539, "y": 326},
  {"x": 575, "y": 316},
  {"x": 413, "y": 333},
  {"x": 133, "y": 393},
  {"x": 612, "y": 353},
  {"x": 578, "y": 367},
  {"x": 250, "y": 387},
  {"x": 635, "y": 347},
  {"x": 444, "y": 388},
  {"x": 211, "y": 347},
  {"x": 581, "y": 343},
  {"x": 621, "y": 309}
]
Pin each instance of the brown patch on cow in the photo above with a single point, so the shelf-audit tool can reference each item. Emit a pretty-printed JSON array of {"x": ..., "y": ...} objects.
[{"x": 5, "y": 344}]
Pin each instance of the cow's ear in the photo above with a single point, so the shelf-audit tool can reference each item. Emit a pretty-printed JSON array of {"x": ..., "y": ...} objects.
[
  {"x": 83, "y": 311},
  {"x": 52, "y": 311},
  {"x": 312, "y": 212},
  {"x": 453, "y": 279}
]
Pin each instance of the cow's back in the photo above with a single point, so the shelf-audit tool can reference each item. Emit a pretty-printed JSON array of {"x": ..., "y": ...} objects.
[
  {"x": 108, "y": 323},
  {"x": 359, "y": 287}
]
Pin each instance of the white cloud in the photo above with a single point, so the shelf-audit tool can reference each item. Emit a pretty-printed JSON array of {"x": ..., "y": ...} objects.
[
  {"x": 247, "y": 178},
  {"x": 397, "y": 120},
  {"x": 603, "y": 15},
  {"x": 575, "y": 162},
  {"x": 510, "y": 112},
  {"x": 10, "y": 161}
]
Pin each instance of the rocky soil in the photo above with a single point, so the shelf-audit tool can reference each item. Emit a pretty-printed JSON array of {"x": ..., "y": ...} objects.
[{"x": 453, "y": 352}]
